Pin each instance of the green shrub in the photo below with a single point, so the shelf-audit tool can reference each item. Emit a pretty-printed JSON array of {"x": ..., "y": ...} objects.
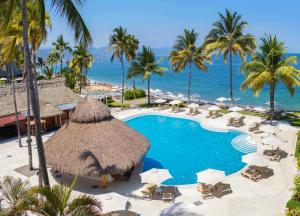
[
  {"x": 293, "y": 208},
  {"x": 296, "y": 188},
  {"x": 118, "y": 104},
  {"x": 297, "y": 152},
  {"x": 129, "y": 94},
  {"x": 109, "y": 100}
]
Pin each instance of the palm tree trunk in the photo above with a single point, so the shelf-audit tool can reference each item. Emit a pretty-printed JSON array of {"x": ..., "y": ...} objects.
[
  {"x": 190, "y": 81},
  {"x": 231, "y": 91},
  {"x": 272, "y": 101},
  {"x": 80, "y": 84},
  {"x": 33, "y": 98},
  {"x": 149, "y": 96},
  {"x": 15, "y": 106},
  {"x": 29, "y": 148},
  {"x": 61, "y": 65},
  {"x": 133, "y": 87},
  {"x": 123, "y": 80},
  {"x": 35, "y": 74}
]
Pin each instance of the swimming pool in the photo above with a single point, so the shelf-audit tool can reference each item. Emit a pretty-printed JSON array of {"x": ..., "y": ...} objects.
[{"x": 184, "y": 147}]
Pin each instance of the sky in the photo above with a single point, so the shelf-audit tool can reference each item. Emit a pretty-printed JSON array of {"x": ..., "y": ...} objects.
[{"x": 156, "y": 23}]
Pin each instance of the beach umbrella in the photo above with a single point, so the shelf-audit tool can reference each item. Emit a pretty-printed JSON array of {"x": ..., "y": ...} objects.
[
  {"x": 222, "y": 99},
  {"x": 193, "y": 105},
  {"x": 234, "y": 115},
  {"x": 195, "y": 96},
  {"x": 213, "y": 108},
  {"x": 236, "y": 109},
  {"x": 268, "y": 129},
  {"x": 210, "y": 176},
  {"x": 155, "y": 176},
  {"x": 260, "y": 109},
  {"x": 3, "y": 79},
  {"x": 254, "y": 119},
  {"x": 181, "y": 209},
  {"x": 272, "y": 141},
  {"x": 113, "y": 202},
  {"x": 160, "y": 101},
  {"x": 255, "y": 159},
  {"x": 268, "y": 103},
  {"x": 175, "y": 102},
  {"x": 180, "y": 95}
]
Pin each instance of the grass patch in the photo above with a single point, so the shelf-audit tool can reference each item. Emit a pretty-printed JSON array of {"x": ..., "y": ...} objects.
[
  {"x": 292, "y": 118},
  {"x": 145, "y": 105},
  {"x": 223, "y": 111},
  {"x": 118, "y": 104},
  {"x": 263, "y": 115},
  {"x": 297, "y": 151}
]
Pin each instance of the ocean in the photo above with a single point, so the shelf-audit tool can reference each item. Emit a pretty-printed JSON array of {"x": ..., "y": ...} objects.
[{"x": 209, "y": 85}]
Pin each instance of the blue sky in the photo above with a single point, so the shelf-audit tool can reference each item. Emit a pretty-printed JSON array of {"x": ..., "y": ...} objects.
[{"x": 157, "y": 22}]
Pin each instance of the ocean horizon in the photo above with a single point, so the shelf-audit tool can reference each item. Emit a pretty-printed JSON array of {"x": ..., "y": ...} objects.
[{"x": 209, "y": 85}]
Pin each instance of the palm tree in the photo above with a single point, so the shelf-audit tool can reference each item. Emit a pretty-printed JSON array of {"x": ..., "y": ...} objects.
[
  {"x": 70, "y": 77},
  {"x": 65, "y": 8},
  {"x": 57, "y": 201},
  {"x": 60, "y": 46},
  {"x": 41, "y": 63},
  {"x": 81, "y": 61},
  {"x": 269, "y": 67},
  {"x": 185, "y": 53},
  {"x": 145, "y": 66},
  {"x": 48, "y": 73},
  {"x": 227, "y": 37},
  {"x": 14, "y": 194},
  {"x": 123, "y": 44},
  {"x": 53, "y": 58}
]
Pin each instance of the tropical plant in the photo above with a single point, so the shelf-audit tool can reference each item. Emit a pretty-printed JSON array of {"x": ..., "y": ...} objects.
[
  {"x": 227, "y": 37},
  {"x": 145, "y": 66},
  {"x": 57, "y": 201},
  {"x": 81, "y": 61},
  {"x": 60, "y": 46},
  {"x": 70, "y": 77},
  {"x": 134, "y": 93},
  {"x": 65, "y": 8},
  {"x": 48, "y": 72},
  {"x": 123, "y": 44},
  {"x": 269, "y": 67},
  {"x": 186, "y": 53},
  {"x": 14, "y": 194},
  {"x": 41, "y": 63}
]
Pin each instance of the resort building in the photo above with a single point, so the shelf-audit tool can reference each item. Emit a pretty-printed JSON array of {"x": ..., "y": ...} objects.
[
  {"x": 95, "y": 144},
  {"x": 56, "y": 102}
]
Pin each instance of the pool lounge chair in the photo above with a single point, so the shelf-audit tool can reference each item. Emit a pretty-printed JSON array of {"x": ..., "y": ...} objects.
[
  {"x": 265, "y": 172},
  {"x": 221, "y": 189},
  {"x": 205, "y": 190},
  {"x": 168, "y": 197},
  {"x": 276, "y": 157},
  {"x": 194, "y": 112},
  {"x": 252, "y": 174},
  {"x": 148, "y": 191},
  {"x": 230, "y": 122}
]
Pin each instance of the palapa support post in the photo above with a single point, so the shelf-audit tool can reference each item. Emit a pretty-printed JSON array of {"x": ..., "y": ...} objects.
[{"x": 103, "y": 181}]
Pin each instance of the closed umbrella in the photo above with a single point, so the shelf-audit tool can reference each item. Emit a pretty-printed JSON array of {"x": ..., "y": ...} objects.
[
  {"x": 255, "y": 159},
  {"x": 213, "y": 108},
  {"x": 210, "y": 176},
  {"x": 155, "y": 176}
]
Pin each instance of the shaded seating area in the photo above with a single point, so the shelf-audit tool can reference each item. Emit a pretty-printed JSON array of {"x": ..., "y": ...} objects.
[
  {"x": 148, "y": 190},
  {"x": 214, "y": 114},
  {"x": 205, "y": 190},
  {"x": 218, "y": 190},
  {"x": 257, "y": 173},
  {"x": 254, "y": 128},
  {"x": 251, "y": 174}
]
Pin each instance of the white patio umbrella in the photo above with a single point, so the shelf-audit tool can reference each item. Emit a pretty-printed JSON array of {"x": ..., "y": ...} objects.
[
  {"x": 181, "y": 209},
  {"x": 193, "y": 105},
  {"x": 272, "y": 141},
  {"x": 222, "y": 99},
  {"x": 175, "y": 102},
  {"x": 113, "y": 202},
  {"x": 155, "y": 176},
  {"x": 234, "y": 115},
  {"x": 254, "y": 119},
  {"x": 255, "y": 159},
  {"x": 236, "y": 109},
  {"x": 210, "y": 176},
  {"x": 3, "y": 79},
  {"x": 160, "y": 101},
  {"x": 213, "y": 108},
  {"x": 180, "y": 95}
]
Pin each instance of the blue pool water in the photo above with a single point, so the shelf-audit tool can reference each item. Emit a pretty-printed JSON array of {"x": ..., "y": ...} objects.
[{"x": 184, "y": 147}]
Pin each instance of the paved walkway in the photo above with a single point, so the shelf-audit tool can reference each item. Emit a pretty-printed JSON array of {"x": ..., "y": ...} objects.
[{"x": 267, "y": 197}]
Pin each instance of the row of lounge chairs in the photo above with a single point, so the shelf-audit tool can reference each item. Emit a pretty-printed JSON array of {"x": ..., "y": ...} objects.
[
  {"x": 257, "y": 173},
  {"x": 255, "y": 128},
  {"x": 218, "y": 190},
  {"x": 193, "y": 112},
  {"x": 236, "y": 122},
  {"x": 167, "y": 193},
  {"x": 274, "y": 155}
]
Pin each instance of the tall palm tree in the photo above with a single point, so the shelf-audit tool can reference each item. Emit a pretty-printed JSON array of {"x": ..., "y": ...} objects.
[
  {"x": 269, "y": 67},
  {"x": 48, "y": 73},
  {"x": 81, "y": 61},
  {"x": 65, "y": 8},
  {"x": 186, "y": 53},
  {"x": 123, "y": 45},
  {"x": 57, "y": 201},
  {"x": 145, "y": 66},
  {"x": 14, "y": 194},
  {"x": 60, "y": 46},
  {"x": 227, "y": 37},
  {"x": 41, "y": 63}
]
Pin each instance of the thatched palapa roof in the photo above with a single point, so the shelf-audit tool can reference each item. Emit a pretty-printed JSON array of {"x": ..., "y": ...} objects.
[
  {"x": 93, "y": 143},
  {"x": 53, "y": 92}
]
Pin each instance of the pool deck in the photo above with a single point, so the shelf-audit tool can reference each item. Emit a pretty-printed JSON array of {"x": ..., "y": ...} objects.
[{"x": 266, "y": 197}]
